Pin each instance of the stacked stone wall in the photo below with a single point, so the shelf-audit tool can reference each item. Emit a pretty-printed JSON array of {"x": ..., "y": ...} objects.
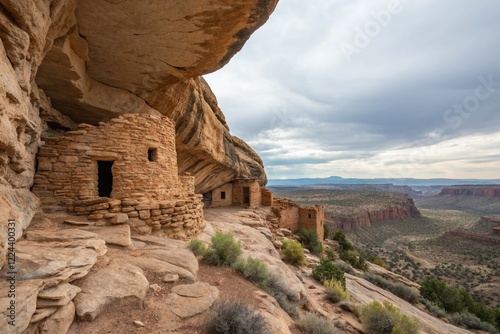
[
  {"x": 267, "y": 197},
  {"x": 254, "y": 192},
  {"x": 146, "y": 185}
]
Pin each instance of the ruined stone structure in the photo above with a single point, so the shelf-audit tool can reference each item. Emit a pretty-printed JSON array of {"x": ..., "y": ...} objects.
[
  {"x": 127, "y": 165},
  {"x": 242, "y": 192},
  {"x": 293, "y": 216}
]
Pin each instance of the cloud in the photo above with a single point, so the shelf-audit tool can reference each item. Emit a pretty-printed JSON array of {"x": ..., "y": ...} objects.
[{"x": 292, "y": 94}]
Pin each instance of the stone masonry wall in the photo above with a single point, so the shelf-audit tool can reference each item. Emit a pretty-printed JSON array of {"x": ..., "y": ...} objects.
[
  {"x": 313, "y": 218},
  {"x": 254, "y": 192},
  {"x": 146, "y": 185},
  {"x": 217, "y": 199},
  {"x": 287, "y": 213},
  {"x": 267, "y": 197},
  {"x": 293, "y": 216}
]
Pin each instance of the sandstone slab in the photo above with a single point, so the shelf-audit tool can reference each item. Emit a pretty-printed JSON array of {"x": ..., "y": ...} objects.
[
  {"x": 116, "y": 235},
  {"x": 25, "y": 305},
  {"x": 118, "y": 281},
  {"x": 191, "y": 299},
  {"x": 60, "y": 321}
]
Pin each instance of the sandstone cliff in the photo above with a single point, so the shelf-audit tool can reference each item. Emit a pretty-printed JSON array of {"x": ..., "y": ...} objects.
[
  {"x": 477, "y": 191},
  {"x": 64, "y": 62},
  {"x": 393, "y": 212}
]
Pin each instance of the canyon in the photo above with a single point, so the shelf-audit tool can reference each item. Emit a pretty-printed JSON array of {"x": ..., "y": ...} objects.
[{"x": 476, "y": 191}]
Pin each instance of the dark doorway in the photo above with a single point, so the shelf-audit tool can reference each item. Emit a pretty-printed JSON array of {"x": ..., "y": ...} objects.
[
  {"x": 104, "y": 178},
  {"x": 222, "y": 195},
  {"x": 246, "y": 195}
]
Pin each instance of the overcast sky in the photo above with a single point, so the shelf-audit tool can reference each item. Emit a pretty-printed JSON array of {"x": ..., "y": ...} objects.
[{"x": 377, "y": 88}]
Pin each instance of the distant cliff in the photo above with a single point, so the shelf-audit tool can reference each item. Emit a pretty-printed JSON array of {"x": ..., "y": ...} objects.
[
  {"x": 477, "y": 191},
  {"x": 393, "y": 212}
]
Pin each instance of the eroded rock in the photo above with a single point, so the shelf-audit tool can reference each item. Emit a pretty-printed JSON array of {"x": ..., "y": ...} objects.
[
  {"x": 117, "y": 281},
  {"x": 191, "y": 299}
]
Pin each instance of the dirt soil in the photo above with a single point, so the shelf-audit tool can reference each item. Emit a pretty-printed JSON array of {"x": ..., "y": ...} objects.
[{"x": 155, "y": 314}]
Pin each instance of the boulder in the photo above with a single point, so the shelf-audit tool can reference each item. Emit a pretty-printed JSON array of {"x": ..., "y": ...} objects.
[
  {"x": 60, "y": 321},
  {"x": 117, "y": 281},
  {"x": 192, "y": 299}
]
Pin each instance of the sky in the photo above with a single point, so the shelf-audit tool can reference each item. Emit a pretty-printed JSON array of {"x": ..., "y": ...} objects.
[{"x": 357, "y": 88}]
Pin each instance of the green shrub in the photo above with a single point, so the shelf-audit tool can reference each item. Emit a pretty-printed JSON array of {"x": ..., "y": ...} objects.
[
  {"x": 283, "y": 295},
  {"x": 327, "y": 232},
  {"x": 254, "y": 270},
  {"x": 387, "y": 319},
  {"x": 349, "y": 306},
  {"x": 341, "y": 238},
  {"x": 309, "y": 238},
  {"x": 198, "y": 247},
  {"x": 326, "y": 270},
  {"x": 345, "y": 267},
  {"x": 293, "y": 252},
  {"x": 374, "y": 258},
  {"x": 354, "y": 258},
  {"x": 335, "y": 292},
  {"x": 224, "y": 250},
  {"x": 434, "y": 309},
  {"x": 236, "y": 318},
  {"x": 443, "y": 295},
  {"x": 399, "y": 289},
  {"x": 312, "y": 323},
  {"x": 471, "y": 321}
]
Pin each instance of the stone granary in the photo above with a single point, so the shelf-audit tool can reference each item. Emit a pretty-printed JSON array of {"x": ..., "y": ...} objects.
[
  {"x": 124, "y": 170},
  {"x": 244, "y": 192}
]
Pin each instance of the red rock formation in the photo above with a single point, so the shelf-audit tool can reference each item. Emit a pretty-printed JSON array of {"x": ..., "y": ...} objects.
[
  {"x": 478, "y": 191},
  {"x": 392, "y": 213}
]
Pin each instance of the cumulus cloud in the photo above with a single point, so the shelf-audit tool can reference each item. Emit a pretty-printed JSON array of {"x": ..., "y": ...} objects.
[{"x": 422, "y": 75}]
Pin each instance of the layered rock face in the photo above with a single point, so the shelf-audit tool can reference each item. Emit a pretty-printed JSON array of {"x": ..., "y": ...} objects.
[
  {"x": 477, "y": 191},
  {"x": 391, "y": 213},
  {"x": 64, "y": 62}
]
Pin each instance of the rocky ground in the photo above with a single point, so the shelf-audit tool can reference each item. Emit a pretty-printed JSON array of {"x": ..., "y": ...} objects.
[{"x": 75, "y": 277}]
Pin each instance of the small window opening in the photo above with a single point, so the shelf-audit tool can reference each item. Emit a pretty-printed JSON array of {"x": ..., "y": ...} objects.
[
  {"x": 104, "y": 178},
  {"x": 222, "y": 195},
  {"x": 309, "y": 215},
  {"x": 153, "y": 154}
]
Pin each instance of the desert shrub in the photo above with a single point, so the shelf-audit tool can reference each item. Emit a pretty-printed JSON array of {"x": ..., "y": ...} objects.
[
  {"x": 293, "y": 252},
  {"x": 374, "y": 258},
  {"x": 224, "y": 250},
  {"x": 387, "y": 319},
  {"x": 312, "y": 323},
  {"x": 277, "y": 288},
  {"x": 198, "y": 247},
  {"x": 335, "y": 292},
  {"x": 399, "y": 289},
  {"x": 309, "y": 238},
  {"x": 443, "y": 295},
  {"x": 326, "y": 270},
  {"x": 433, "y": 308},
  {"x": 327, "y": 232},
  {"x": 403, "y": 291},
  {"x": 341, "y": 238},
  {"x": 471, "y": 321},
  {"x": 345, "y": 267},
  {"x": 354, "y": 258},
  {"x": 349, "y": 306},
  {"x": 236, "y": 318},
  {"x": 254, "y": 270}
]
